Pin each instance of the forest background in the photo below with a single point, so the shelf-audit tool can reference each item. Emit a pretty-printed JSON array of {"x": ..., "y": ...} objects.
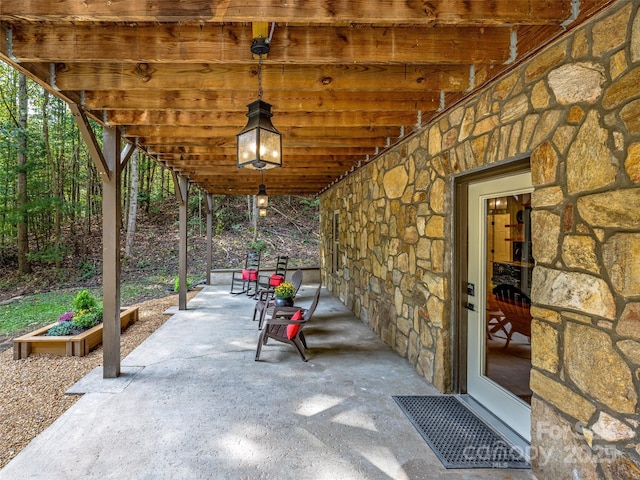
[{"x": 50, "y": 211}]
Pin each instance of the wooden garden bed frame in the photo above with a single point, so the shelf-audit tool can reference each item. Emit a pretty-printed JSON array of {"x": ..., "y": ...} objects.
[{"x": 68, "y": 345}]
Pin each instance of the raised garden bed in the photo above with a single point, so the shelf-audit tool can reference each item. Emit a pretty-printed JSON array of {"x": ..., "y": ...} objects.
[{"x": 69, "y": 345}]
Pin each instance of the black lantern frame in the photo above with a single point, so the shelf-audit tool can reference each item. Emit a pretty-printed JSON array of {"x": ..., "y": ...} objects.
[
  {"x": 259, "y": 143},
  {"x": 262, "y": 199}
]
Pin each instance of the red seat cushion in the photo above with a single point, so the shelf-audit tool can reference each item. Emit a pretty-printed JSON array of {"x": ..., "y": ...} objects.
[
  {"x": 292, "y": 330},
  {"x": 275, "y": 280},
  {"x": 249, "y": 274}
]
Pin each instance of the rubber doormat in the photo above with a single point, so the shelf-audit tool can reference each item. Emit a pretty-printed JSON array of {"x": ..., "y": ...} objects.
[{"x": 458, "y": 437}]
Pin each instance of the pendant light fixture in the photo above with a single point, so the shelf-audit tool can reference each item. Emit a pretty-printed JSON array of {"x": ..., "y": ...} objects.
[
  {"x": 259, "y": 143},
  {"x": 262, "y": 199}
]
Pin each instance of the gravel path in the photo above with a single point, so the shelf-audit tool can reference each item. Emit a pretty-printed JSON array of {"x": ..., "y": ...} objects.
[{"x": 32, "y": 390}]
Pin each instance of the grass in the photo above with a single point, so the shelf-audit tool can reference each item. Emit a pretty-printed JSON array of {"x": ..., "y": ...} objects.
[
  {"x": 41, "y": 309},
  {"x": 35, "y": 311}
]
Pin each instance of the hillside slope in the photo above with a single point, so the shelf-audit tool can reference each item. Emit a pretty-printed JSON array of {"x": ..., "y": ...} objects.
[{"x": 291, "y": 228}]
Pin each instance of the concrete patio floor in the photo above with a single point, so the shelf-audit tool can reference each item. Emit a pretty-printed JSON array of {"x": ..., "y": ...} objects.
[{"x": 192, "y": 403}]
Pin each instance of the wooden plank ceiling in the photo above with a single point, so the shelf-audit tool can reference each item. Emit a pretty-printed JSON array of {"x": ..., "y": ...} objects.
[{"x": 347, "y": 78}]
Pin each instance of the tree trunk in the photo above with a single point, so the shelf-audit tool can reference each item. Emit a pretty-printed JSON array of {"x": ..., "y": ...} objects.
[
  {"x": 55, "y": 188},
  {"x": 133, "y": 205},
  {"x": 23, "y": 233}
]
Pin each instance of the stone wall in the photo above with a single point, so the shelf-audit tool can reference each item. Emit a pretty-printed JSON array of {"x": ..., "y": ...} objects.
[{"x": 575, "y": 108}]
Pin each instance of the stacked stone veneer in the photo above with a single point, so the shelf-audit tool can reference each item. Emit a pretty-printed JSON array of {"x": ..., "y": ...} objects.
[{"x": 575, "y": 108}]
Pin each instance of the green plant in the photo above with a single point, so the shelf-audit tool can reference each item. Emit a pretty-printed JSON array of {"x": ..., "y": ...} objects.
[
  {"x": 176, "y": 284},
  {"x": 84, "y": 301},
  {"x": 257, "y": 246},
  {"x": 50, "y": 255},
  {"x": 285, "y": 290},
  {"x": 84, "y": 320},
  {"x": 87, "y": 270},
  {"x": 62, "y": 328}
]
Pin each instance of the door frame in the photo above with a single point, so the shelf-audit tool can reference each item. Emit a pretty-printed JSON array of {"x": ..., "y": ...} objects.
[{"x": 460, "y": 259}]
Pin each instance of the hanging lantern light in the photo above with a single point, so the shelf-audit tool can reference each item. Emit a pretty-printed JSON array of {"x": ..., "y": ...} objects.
[
  {"x": 259, "y": 143},
  {"x": 262, "y": 199}
]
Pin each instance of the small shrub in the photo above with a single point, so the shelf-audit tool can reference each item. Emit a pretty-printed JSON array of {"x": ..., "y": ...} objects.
[
  {"x": 84, "y": 320},
  {"x": 62, "y": 328},
  {"x": 258, "y": 246},
  {"x": 176, "y": 284},
  {"x": 87, "y": 270},
  {"x": 84, "y": 302}
]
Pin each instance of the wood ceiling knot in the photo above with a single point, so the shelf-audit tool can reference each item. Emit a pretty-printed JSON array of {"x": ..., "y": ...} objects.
[{"x": 144, "y": 70}]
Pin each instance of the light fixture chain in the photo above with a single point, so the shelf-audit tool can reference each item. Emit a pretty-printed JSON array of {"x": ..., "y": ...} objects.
[{"x": 260, "y": 77}]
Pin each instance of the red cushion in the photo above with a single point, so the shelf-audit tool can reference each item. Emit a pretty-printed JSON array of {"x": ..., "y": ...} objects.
[
  {"x": 249, "y": 274},
  {"x": 275, "y": 280},
  {"x": 292, "y": 330}
]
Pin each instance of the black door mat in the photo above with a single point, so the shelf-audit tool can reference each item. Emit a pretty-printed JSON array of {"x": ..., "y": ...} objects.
[{"x": 458, "y": 437}]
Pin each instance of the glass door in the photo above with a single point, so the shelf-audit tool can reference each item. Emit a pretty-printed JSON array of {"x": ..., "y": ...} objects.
[{"x": 499, "y": 319}]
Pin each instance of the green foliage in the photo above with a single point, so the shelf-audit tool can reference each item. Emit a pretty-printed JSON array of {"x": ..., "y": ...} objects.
[
  {"x": 87, "y": 271},
  {"x": 49, "y": 255},
  {"x": 86, "y": 311},
  {"x": 176, "y": 284},
  {"x": 257, "y": 246},
  {"x": 144, "y": 198},
  {"x": 61, "y": 329},
  {"x": 218, "y": 223},
  {"x": 83, "y": 302},
  {"x": 314, "y": 203},
  {"x": 197, "y": 225},
  {"x": 86, "y": 319},
  {"x": 285, "y": 290},
  {"x": 34, "y": 311}
]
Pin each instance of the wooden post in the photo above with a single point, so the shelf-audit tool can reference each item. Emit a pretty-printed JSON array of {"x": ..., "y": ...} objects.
[
  {"x": 182, "y": 195},
  {"x": 109, "y": 161},
  {"x": 111, "y": 206},
  {"x": 209, "y": 209}
]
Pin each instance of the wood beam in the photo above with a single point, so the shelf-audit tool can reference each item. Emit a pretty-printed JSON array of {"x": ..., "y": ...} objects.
[
  {"x": 293, "y": 152},
  {"x": 194, "y": 171},
  {"x": 284, "y": 179},
  {"x": 228, "y": 142},
  {"x": 227, "y": 44},
  {"x": 90, "y": 140},
  {"x": 126, "y": 153},
  {"x": 284, "y": 119},
  {"x": 223, "y": 186},
  {"x": 213, "y": 102},
  {"x": 275, "y": 78},
  {"x": 435, "y": 12},
  {"x": 328, "y": 131},
  {"x": 230, "y": 161}
]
